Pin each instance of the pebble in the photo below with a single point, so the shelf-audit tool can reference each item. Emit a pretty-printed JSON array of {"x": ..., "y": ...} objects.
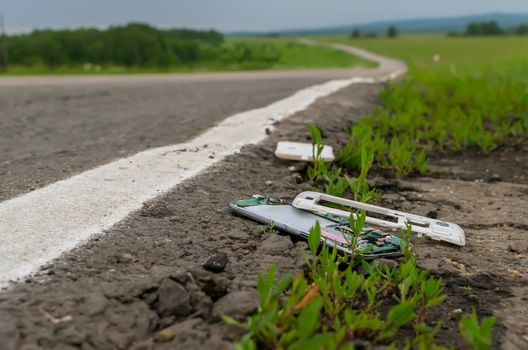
[
  {"x": 215, "y": 286},
  {"x": 429, "y": 264},
  {"x": 472, "y": 297},
  {"x": 514, "y": 272},
  {"x": 385, "y": 262},
  {"x": 433, "y": 214},
  {"x": 276, "y": 244},
  {"x": 181, "y": 328},
  {"x": 237, "y": 234},
  {"x": 173, "y": 299},
  {"x": 518, "y": 247},
  {"x": 298, "y": 167},
  {"x": 269, "y": 183},
  {"x": 455, "y": 313},
  {"x": 450, "y": 267},
  {"x": 297, "y": 178},
  {"x": 495, "y": 178},
  {"x": 94, "y": 303},
  {"x": 237, "y": 304},
  {"x": 72, "y": 335},
  {"x": 216, "y": 263}
]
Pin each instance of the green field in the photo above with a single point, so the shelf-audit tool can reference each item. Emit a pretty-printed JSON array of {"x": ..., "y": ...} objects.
[
  {"x": 460, "y": 93},
  {"x": 294, "y": 55},
  {"x": 238, "y": 55},
  {"x": 458, "y": 56}
]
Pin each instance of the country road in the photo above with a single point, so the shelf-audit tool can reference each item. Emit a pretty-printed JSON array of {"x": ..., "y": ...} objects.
[
  {"x": 117, "y": 234},
  {"x": 114, "y": 189},
  {"x": 54, "y": 127},
  {"x": 79, "y": 154}
]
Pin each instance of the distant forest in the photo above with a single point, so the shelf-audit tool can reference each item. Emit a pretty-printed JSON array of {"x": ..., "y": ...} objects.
[
  {"x": 490, "y": 28},
  {"x": 133, "y": 45}
]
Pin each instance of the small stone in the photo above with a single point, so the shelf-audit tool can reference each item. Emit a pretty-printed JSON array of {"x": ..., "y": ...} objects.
[
  {"x": 514, "y": 272},
  {"x": 237, "y": 234},
  {"x": 126, "y": 258},
  {"x": 450, "y": 267},
  {"x": 201, "y": 302},
  {"x": 381, "y": 262},
  {"x": 166, "y": 321},
  {"x": 71, "y": 335},
  {"x": 237, "y": 304},
  {"x": 215, "y": 286},
  {"x": 182, "y": 328},
  {"x": 269, "y": 183},
  {"x": 406, "y": 206},
  {"x": 173, "y": 299},
  {"x": 216, "y": 263},
  {"x": 433, "y": 214},
  {"x": 94, "y": 303},
  {"x": 298, "y": 167},
  {"x": 494, "y": 178},
  {"x": 518, "y": 247},
  {"x": 276, "y": 244},
  {"x": 165, "y": 335},
  {"x": 454, "y": 314},
  {"x": 429, "y": 264},
  {"x": 297, "y": 178},
  {"x": 472, "y": 297},
  {"x": 150, "y": 298},
  {"x": 268, "y": 131}
]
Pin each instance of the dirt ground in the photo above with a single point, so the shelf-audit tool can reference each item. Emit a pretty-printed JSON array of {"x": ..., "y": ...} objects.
[{"x": 143, "y": 285}]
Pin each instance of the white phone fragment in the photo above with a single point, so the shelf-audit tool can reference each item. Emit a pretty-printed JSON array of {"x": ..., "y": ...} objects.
[
  {"x": 302, "y": 151},
  {"x": 435, "y": 229}
]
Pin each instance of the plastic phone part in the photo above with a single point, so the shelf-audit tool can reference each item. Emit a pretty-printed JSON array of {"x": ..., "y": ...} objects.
[
  {"x": 285, "y": 217},
  {"x": 435, "y": 229},
  {"x": 302, "y": 151}
]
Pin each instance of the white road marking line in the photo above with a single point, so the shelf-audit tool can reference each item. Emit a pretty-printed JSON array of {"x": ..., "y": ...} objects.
[{"x": 38, "y": 227}]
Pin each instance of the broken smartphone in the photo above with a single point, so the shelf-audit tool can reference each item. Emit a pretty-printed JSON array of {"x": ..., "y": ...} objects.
[{"x": 335, "y": 231}]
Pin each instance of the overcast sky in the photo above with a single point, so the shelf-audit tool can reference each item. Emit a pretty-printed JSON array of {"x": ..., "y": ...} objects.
[{"x": 235, "y": 15}]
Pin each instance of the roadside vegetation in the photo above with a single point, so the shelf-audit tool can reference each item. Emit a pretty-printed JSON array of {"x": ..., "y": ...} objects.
[
  {"x": 448, "y": 103},
  {"x": 137, "y": 48},
  {"x": 335, "y": 307}
]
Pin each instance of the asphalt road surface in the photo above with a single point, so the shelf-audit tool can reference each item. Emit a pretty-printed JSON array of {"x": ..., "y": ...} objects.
[
  {"x": 49, "y": 131},
  {"x": 54, "y": 127}
]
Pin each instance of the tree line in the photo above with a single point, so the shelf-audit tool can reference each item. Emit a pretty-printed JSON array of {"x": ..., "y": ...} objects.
[
  {"x": 488, "y": 28},
  {"x": 472, "y": 29},
  {"x": 392, "y": 32},
  {"x": 133, "y": 45}
]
